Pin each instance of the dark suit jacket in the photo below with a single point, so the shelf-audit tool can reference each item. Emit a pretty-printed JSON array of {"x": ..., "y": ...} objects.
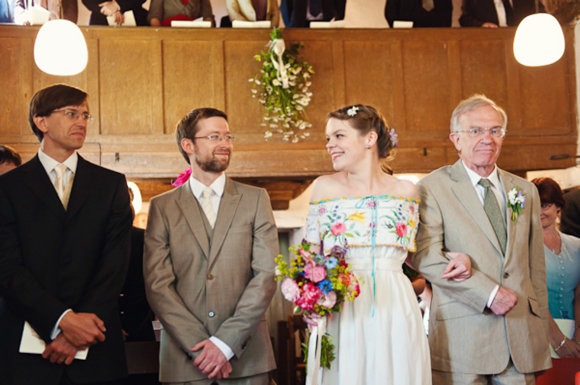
[
  {"x": 476, "y": 12},
  {"x": 571, "y": 214},
  {"x": 97, "y": 18},
  {"x": 52, "y": 260},
  {"x": 412, "y": 10},
  {"x": 296, "y": 10},
  {"x": 136, "y": 315}
]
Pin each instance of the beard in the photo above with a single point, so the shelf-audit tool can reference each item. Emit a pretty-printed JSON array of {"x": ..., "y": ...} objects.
[{"x": 213, "y": 164}]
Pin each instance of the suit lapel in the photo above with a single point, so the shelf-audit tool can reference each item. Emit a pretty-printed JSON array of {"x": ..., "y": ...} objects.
[
  {"x": 37, "y": 179},
  {"x": 83, "y": 186},
  {"x": 190, "y": 209},
  {"x": 228, "y": 206},
  {"x": 508, "y": 183},
  {"x": 466, "y": 195}
]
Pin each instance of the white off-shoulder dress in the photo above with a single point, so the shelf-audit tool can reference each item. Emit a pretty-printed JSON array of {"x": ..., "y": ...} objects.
[{"x": 379, "y": 337}]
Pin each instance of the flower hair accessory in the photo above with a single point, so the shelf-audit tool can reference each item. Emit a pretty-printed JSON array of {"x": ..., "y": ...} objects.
[
  {"x": 352, "y": 111},
  {"x": 394, "y": 137},
  {"x": 516, "y": 202}
]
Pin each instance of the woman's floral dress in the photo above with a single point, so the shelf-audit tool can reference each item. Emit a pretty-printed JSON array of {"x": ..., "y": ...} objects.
[{"x": 379, "y": 337}]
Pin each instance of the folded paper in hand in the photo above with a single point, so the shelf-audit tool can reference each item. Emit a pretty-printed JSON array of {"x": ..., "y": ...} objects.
[
  {"x": 129, "y": 20},
  {"x": 32, "y": 343}
]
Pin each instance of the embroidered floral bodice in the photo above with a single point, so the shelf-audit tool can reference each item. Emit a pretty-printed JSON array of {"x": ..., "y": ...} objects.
[{"x": 371, "y": 221}]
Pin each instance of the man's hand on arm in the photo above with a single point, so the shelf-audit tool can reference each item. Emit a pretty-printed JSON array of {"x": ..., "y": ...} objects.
[
  {"x": 211, "y": 360},
  {"x": 82, "y": 329},
  {"x": 60, "y": 351},
  {"x": 504, "y": 300}
]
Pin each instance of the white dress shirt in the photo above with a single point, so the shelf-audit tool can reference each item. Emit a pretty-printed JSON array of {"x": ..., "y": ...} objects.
[
  {"x": 49, "y": 165},
  {"x": 218, "y": 187},
  {"x": 501, "y": 14},
  {"x": 497, "y": 189}
]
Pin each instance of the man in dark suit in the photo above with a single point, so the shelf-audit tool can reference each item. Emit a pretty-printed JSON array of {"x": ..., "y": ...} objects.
[
  {"x": 64, "y": 242},
  {"x": 299, "y": 13},
  {"x": 423, "y": 13},
  {"x": 484, "y": 13},
  {"x": 570, "y": 223}
]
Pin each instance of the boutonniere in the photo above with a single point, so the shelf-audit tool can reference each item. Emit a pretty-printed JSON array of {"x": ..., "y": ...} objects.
[
  {"x": 182, "y": 178},
  {"x": 516, "y": 202}
]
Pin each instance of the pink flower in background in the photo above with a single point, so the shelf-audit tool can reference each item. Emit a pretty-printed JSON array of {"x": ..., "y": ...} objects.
[
  {"x": 337, "y": 228},
  {"x": 290, "y": 289},
  {"x": 328, "y": 300},
  {"x": 310, "y": 295},
  {"x": 401, "y": 229},
  {"x": 314, "y": 273},
  {"x": 182, "y": 178}
]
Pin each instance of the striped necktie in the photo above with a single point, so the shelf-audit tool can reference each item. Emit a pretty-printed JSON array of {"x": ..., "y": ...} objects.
[{"x": 207, "y": 206}]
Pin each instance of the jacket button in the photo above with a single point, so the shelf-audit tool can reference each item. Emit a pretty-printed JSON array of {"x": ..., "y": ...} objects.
[
  {"x": 506, "y": 275},
  {"x": 211, "y": 314},
  {"x": 209, "y": 276}
]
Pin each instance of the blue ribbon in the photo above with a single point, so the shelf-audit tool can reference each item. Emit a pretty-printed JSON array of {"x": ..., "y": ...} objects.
[{"x": 375, "y": 223}]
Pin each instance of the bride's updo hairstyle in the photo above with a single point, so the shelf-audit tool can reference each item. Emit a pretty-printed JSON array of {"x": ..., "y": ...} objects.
[{"x": 366, "y": 119}]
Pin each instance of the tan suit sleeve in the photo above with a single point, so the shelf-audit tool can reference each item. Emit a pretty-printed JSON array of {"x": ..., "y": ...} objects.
[
  {"x": 183, "y": 327},
  {"x": 538, "y": 259},
  {"x": 430, "y": 259},
  {"x": 256, "y": 297}
]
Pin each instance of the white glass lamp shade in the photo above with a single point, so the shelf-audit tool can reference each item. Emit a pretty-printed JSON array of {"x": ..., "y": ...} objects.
[
  {"x": 60, "y": 48},
  {"x": 539, "y": 40}
]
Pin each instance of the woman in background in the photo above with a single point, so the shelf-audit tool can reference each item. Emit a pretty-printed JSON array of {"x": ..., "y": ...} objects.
[{"x": 562, "y": 273}]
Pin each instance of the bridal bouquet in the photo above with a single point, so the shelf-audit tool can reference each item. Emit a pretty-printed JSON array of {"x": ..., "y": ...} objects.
[{"x": 318, "y": 285}]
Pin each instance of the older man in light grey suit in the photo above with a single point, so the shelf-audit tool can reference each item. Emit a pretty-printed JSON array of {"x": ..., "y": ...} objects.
[
  {"x": 209, "y": 265},
  {"x": 492, "y": 327}
]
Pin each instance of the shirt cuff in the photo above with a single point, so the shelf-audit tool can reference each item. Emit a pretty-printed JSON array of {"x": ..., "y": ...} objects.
[
  {"x": 492, "y": 296},
  {"x": 56, "y": 330},
  {"x": 225, "y": 349}
]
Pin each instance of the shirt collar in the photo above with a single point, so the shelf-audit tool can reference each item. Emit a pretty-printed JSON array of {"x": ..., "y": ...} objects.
[
  {"x": 475, "y": 177},
  {"x": 217, "y": 186},
  {"x": 49, "y": 164}
]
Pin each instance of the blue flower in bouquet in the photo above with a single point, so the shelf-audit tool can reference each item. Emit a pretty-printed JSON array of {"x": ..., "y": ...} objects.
[
  {"x": 331, "y": 262},
  {"x": 325, "y": 286},
  {"x": 318, "y": 259}
]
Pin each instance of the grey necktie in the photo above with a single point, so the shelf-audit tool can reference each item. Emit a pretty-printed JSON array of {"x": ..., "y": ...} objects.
[
  {"x": 207, "y": 206},
  {"x": 493, "y": 212},
  {"x": 428, "y": 5}
]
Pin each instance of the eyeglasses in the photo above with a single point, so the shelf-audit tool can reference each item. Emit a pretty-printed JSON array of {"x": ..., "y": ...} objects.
[
  {"x": 217, "y": 138},
  {"x": 546, "y": 206},
  {"x": 75, "y": 115},
  {"x": 474, "y": 132}
]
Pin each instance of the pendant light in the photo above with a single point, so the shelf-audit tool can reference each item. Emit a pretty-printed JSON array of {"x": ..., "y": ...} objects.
[{"x": 60, "y": 48}]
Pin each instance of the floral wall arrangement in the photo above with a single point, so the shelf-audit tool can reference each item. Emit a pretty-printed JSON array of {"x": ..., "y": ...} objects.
[{"x": 282, "y": 88}]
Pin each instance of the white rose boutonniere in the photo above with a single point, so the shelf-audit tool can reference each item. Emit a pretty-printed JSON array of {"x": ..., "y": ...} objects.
[{"x": 516, "y": 202}]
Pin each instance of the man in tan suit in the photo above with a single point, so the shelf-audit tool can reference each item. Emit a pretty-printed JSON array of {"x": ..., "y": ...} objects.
[
  {"x": 492, "y": 327},
  {"x": 209, "y": 265}
]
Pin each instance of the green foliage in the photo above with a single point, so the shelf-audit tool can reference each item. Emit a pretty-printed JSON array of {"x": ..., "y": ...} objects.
[{"x": 282, "y": 87}]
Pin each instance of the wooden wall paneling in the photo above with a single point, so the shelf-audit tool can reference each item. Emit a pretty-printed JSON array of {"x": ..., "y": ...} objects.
[
  {"x": 189, "y": 78},
  {"x": 418, "y": 159},
  {"x": 534, "y": 157},
  {"x": 399, "y": 118},
  {"x": 244, "y": 112},
  {"x": 455, "y": 73},
  {"x": 16, "y": 62},
  {"x": 512, "y": 107},
  {"x": 369, "y": 76},
  {"x": 130, "y": 78},
  {"x": 542, "y": 109},
  {"x": 483, "y": 70},
  {"x": 339, "y": 70},
  {"x": 427, "y": 92},
  {"x": 320, "y": 55}
]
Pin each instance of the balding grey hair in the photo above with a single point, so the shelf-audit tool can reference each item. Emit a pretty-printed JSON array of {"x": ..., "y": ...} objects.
[{"x": 473, "y": 103}]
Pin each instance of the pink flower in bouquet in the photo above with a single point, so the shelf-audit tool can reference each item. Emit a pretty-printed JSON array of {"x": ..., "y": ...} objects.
[
  {"x": 401, "y": 229},
  {"x": 290, "y": 289},
  {"x": 314, "y": 273},
  {"x": 310, "y": 295},
  {"x": 354, "y": 286},
  {"x": 182, "y": 178},
  {"x": 338, "y": 228},
  {"x": 344, "y": 279},
  {"x": 328, "y": 300}
]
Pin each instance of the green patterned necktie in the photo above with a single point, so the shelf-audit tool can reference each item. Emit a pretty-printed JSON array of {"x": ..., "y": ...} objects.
[{"x": 493, "y": 212}]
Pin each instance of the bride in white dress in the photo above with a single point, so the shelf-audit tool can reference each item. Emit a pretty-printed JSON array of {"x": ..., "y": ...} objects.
[{"x": 379, "y": 337}]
